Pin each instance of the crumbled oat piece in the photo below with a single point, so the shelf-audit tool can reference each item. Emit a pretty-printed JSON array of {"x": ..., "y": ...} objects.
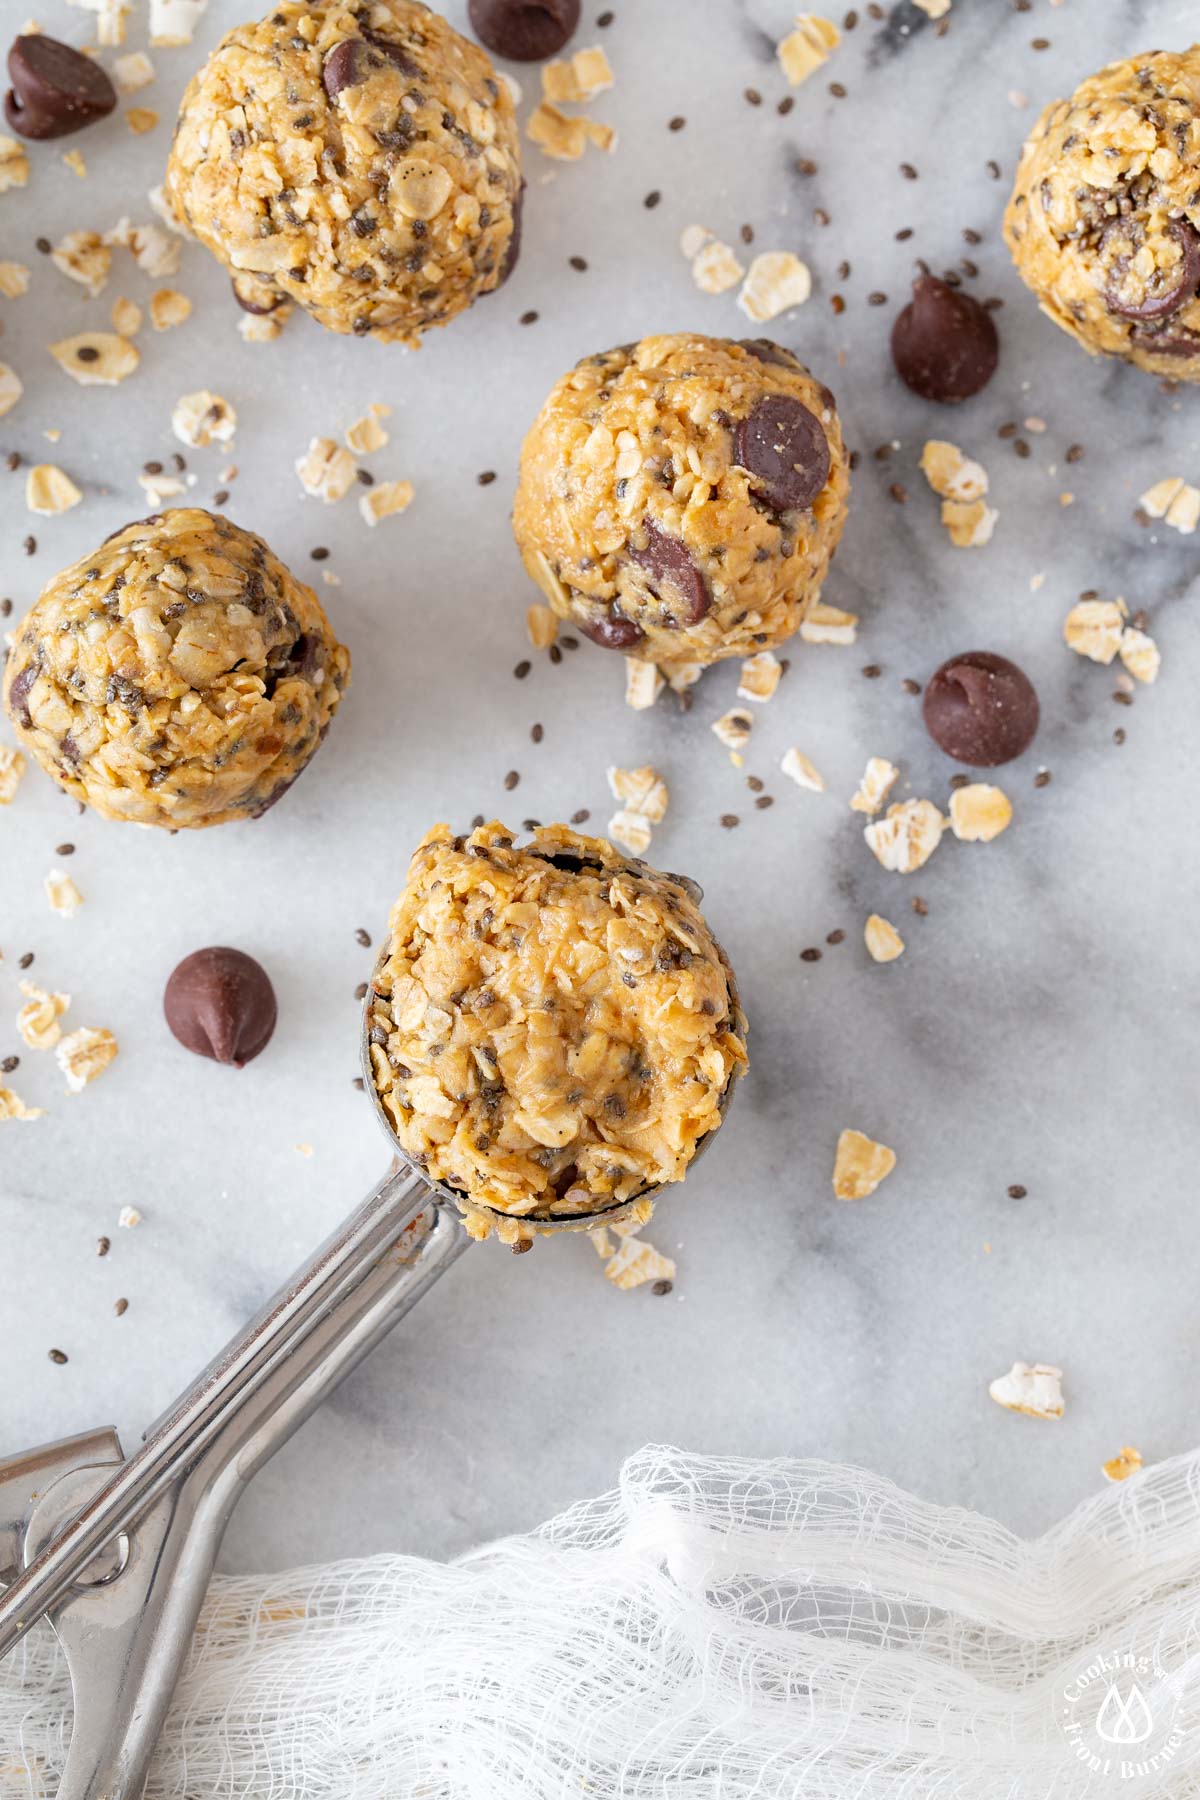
[
  {"x": 1033, "y": 1389},
  {"x": 110, "y": 20},
  {"x": 1140, "y": 654},
  {"x": 951, "y": 474},
  {"x": 168, "y": 307},
  {"x": 264, "y": 328},
  {"x": 641, "y": 790},
  {"x": 84, "y": 1054},
  {"x": 37, "y": 1021},
  {"x": 883, "y": 941},
  {"x": 877, "y": 782},
  {"x": 797, "y": 767},
  {"x": 643, "y": 683},
  {"x": 634, "y": 1262},
  {"x": 759, "y": 676},
  {"x": 12, "y": 767},
  {"x": 163, "y": 486},
  {"x": 141, "y": 119},
  {"x": 937, "y": 9},
  {"x": 907, "y": 837},
  {"x": 860, "y": 1165},
  {"x": 970, "y": 523},
  {"x": 10, "y": 389},
  {"x": 542, "y": 626},
  {"x": 602, "y": 136},
  {"x": 75, "y": 162},
  {"x": 96, "y": 358},
  {"x": 715, "y": 268},
  {"x": 693, "y": 238},
  {"x": 631, "y": 830},
  {"x": 13, "y": 1107},
  {"x": 126, "y": 317},
  {"x": 682, "y": 676},
  {"x": 384, "y": 500},
  {"x": 1175, "y": 501},
  {"x": 156, "y": 252},
  {"x": 14, "y": 164},
  {"x": 824, "y": 624},
  {"x": 83, "y": 256},
  {"x": 1125, "y": 1463},
  {"x": 128, "y": 1218},
  {"x": 366, "y": 434},
  {"x": 14, "y": 280},
  {"x": 803, "y": 51},
  {"x": 979, "y": 813},
  {"x": 62, "y": 893},
  {"x": 326, "y": 471},
  {"x": 775, "y": 282},
  {"x": 172, "y": 22},
  {"x": 734, "y": 728},
  {"x": 49, "y": 491},
  {"x": 133, "y": 72},
  {"x": 203, "y": 418},
  {"x": 585, "y": 75},
  {"x": 1093, "y": 628},
  {"x": 556, "y": 135}
]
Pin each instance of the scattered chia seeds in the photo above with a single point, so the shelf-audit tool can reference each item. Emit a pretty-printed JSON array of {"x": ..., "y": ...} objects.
[
  {"x": 522, "y": 669},
  {"x": 9, "y": 1064},
  {"x": 528, "y": 318},
  {"x": 537, "y": 733},
  {"x": 872, "y": 671},
  {"x": 812, "y": 954},
  {"x": 64, "y": 850},
  {"x": 1017, "y": 1192},
  {"x": 485, "y": 477},
  {"x": 837, "y": 936},
  {"x": 58, "y": 1356},
  {"x": 121, "y": 1307},
  {"x": 662, "y": 1287},
  {"x": 102, "y": 1246},
  {"x": 677, "y": 123},
  {"x": 363, "y": 937},
  {"x": 919, "y": 907},
  {"x": 1042, "y": 778},
  {"x": 511, "y": 780},
  {"x": 910, "y": 686},
  {"x": 730, "y": 821},
  {"x": 26, "y": 961},
  {"x": 652, "y": 199},
  {"x": 578, "y": 262},
  {"x": 319, "y": 553},
  {"x": 360, "y": 992},
  {"x": 581, "y": 817}
]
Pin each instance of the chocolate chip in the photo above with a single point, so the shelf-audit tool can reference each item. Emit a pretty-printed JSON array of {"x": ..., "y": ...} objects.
[
  {"x": 354, "y": 60},
  {"x": 1156, "y": 301},
  {"x": 611, "y": 630},
  {"x": 944, "y": 344},
  {"x": 220, "y": 1003},
  {"x": 783, "y": 449},
  {"x": 981, "y": 709},
  {"x": 18, "y": 695},
  {"x": 55, "y": 88},
  {"x": 524, "y": 30},
  {"x": 767, "y": 352},
  {"x": 673, "y": 576}
]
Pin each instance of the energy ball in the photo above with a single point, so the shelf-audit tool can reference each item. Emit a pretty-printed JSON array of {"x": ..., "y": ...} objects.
[
  {"x": 680, "y": 499},
  {"x": 1102, "y": 223},
  {"x": 553, "y": 1029},
  {"x": 180, "y": 675},
  {"x": 368, "y": 172}
]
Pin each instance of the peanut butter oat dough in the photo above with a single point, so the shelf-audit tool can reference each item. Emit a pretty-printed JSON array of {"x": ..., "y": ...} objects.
[
  {"x": 359, "y": 159},
  {"x": 681, "y": 498},
  {"x": 180, "y": 675},
  {"x": 1103, "y": 216},
  {"x": 553, "y": 1029}
]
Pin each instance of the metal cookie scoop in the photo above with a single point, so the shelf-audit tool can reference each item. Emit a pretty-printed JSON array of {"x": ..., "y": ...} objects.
[{"x": 117, "y": 1552}]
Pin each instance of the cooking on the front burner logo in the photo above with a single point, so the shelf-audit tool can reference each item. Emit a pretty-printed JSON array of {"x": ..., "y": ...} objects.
[{"x": 1118, "y": 1714}]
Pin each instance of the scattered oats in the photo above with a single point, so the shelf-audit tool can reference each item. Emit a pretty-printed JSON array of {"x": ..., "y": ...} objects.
[
  {"x": 12, "y": 767},
  {"x": 37, "y": 1021},
  {"x": 62, "y": 893},
  {"x": 1037, "y": 426},
  {"x": 1066, "y": 499},
  {"x": 10, "y": 389},
  {"x": 49, "y": 491},
  {"x": 141, "y": 119},
  {"x": 759, "y": 676},
  {"x": 1034, "y": 1390},
  {"x": 907, "y": 837},
  {"x": 883, "y": 941},
  {"x": 366, "y": 434},
  {"x": 797, "y": 767},
  {"x": 96, "y": 358},
  {"x": 601, "y": 1242},
  {"x": 13, "y": 1107},
  {"x": 326, "y": 471},
  {"x": 979, "y": 813},
  {"x": 693, "y": 238},
  {"x": 933, "y": 9},
  {"x": 133, "y": 71},
  {"x": 775, "y": 282},
  {"x": 1174, "y": 501},
  {"x": 76, "y": 164},
  {"x": 156, "y": 252},
  {"x": 970, "y": 523},
  {"x": 83, "y": 256},
  {"x": 602, "y": 136},
  {"x": 126, "y": 317},
  {"x": 203, "y": 418},
  {"x": 161, "y": 207},
  {"x": 877, "y": 782},
  {"x": 950, "y": 474},
  {"x": 128, "y": 1218},
  {"x": 715, "y": 268},
  {"x": 110, "y": 20},
  {"x": 1017, "y": 98},
  {"x": 631, "y": 830},
  {"x": 1037, "y": 582},
  {"x": 734, "y": 728},
  {"x": 683, "y": 675},
  {"x": 643, "y": 683},
  {"x": 1093, "y": 628},
  {"x": 53, "y": 433},
  {"x": 330, "y": 579},
  {"x": 635, "y": 1262},
  {"x": 264, "y": 328},
  {"x": 586, "y": 74},
  {"x": 828, "y": 625},
  {"x": 14, "y": 164},
  {"x": 168, "y": 307},
  {"x": 860, "y": 1165},
  {"x": 164, "y": 486},
  {"x": 804, "y": 50},
  {"x": 385, "y": 499},
  {"x": 642, "y": 791},
  {"x": 14, "y": 280},
  {"x": 84, "y": 1054},
  {"x": 542, "y": 626},
  {"x": 556, "y": 135},
  {"x": 1125, "y": 1463},
  {"x": 172, "y": 22},
  {"x": 1140, "y": 654}
]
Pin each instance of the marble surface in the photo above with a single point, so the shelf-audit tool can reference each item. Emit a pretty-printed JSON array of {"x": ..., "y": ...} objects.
[{"x": 1040, "y": 1028}]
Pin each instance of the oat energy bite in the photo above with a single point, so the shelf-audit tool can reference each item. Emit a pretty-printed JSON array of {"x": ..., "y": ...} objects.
[
  {"x": 680, "y": 499},
  {"x": 180, "y": 675},
  {"x": 1102, "y": 223},
  {"x": 552, "y": 1028},
  {"x": 360, "y": 160}
]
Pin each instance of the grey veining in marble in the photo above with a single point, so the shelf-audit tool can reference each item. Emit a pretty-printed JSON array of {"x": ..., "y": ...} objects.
[{"x": 1040, "y": 1029}]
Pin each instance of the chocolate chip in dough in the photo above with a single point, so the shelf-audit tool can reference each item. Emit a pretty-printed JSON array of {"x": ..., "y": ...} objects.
[
  {"x": 1156, "y": 299},
  {"x": 768, "y": 352},
  {"x": 524, "y": 30},
  {"x": 611, "y": 630},
  {"x": 254, "y": 295},
  {"x": 55, "y": 88},
  {"x": 944, "y": 344},
  {"x": 220, "y": 1003},
  {"x": 673, "y": 575},
  {"x": 981, "y": 709},
  {"x": 783, "y": 449},
  {"x": 354, "y": 60}
]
